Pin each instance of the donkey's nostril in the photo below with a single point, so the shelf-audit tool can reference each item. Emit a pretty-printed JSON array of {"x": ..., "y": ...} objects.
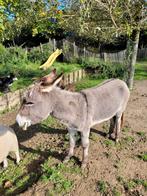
[{"x": 24, "y": 100}]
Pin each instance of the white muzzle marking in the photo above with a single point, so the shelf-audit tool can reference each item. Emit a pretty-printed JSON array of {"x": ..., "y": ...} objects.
[{"x": 23, "y": 121}]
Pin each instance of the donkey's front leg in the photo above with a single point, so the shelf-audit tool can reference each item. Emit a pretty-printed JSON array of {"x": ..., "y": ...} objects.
[
  {"x": 72, "y": 140},
  {"x": 85, "y": 145}
]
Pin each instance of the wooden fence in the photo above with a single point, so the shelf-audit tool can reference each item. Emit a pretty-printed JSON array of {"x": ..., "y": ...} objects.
[
  {"x": 71, "y": 51},
  {"x": 115, "y": 57},
  {"x": 12, "y": 99},
  {"x": 142, "y": 54}
]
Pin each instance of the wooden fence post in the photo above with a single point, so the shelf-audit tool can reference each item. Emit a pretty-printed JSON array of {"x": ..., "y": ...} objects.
[
  {"x": 41, "y": 48},
  {"x": 54, "y": 44},
  {"x": 84, "y": 52},
  {"x": 105, "y": 57},
  {"x": 74, "y": 49}
]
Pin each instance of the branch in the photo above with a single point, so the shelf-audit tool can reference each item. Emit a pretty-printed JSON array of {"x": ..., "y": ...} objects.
[
  {"x": 143, "y": 20},
  {"x": 107, "y": 6},
  {"x": 128, "y": 10},
  {"x": 111, "y": 15},
  {"x": 64, "y": 16},
  {"x": 103, "y": 5}
]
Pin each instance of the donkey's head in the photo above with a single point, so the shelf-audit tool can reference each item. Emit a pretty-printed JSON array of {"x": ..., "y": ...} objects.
[{"x": 38, "y": 102}]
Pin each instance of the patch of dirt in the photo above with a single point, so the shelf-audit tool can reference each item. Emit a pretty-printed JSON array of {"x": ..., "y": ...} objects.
[{"x": 106, "y": 162}]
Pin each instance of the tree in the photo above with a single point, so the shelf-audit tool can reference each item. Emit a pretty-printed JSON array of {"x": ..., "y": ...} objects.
[
  {"x": 35, "y": 16},
  {"x": 108, "y": 19},
  {"x": 2, "y": 16}
]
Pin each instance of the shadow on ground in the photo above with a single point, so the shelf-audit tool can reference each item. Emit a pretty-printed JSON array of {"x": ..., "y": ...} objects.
[
  {"x": 33, "y": 130},
  {"x": 34, "y": 168}
]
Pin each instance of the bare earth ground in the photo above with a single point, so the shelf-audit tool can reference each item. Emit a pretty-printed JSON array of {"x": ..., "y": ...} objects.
[{"x": 107, "y": 161}]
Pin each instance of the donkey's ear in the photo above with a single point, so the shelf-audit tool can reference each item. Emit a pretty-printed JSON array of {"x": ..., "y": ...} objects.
[
  {"x": 48, "y": 79},
  {"x": 48, "y": 88},
  {"x": 54, "y": 71},
  {"x": 58, "y": 79}
]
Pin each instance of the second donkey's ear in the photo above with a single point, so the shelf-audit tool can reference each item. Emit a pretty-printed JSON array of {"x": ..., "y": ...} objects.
[
  {"x": 58, "y": 79},
  {"x": 48, "y": 79},
  {"x": 48, "y": 88}
]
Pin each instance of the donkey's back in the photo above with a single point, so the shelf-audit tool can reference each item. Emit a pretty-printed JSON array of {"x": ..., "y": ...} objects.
[{"x": 107, "y": 100}]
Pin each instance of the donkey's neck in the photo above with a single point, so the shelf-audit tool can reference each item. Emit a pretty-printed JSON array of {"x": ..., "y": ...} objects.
[{"x": 69, "y": 107}]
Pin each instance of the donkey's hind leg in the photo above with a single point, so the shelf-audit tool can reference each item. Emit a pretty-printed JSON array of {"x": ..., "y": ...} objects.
[
  {"x": 119, "y": 121},
  {"x": 112, "y": 127}
]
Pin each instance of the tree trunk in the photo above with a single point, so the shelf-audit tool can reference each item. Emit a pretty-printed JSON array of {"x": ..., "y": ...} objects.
[{"x": 131, "y": 55}]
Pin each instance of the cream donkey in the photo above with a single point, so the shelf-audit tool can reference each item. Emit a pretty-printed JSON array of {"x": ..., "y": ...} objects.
[{"x": 8, "y": 143}]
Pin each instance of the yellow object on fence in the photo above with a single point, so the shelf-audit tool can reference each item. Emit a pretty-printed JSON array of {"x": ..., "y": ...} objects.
[{"x": 51, "y": 59}]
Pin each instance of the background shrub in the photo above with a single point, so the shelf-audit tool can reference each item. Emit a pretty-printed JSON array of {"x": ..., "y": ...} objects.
[
  {"x": 25, "y": 65},
  {"x": 40, "y": 55},
  {"x": 101, "y": 69}
]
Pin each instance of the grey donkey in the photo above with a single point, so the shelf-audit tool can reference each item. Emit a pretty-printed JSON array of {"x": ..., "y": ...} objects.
[
  {"x": 78, "y": 110},
  {"x": 8, "y": 143}
]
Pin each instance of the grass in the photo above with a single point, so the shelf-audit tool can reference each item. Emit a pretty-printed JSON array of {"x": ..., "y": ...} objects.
[
  {"x": 143, "y": 156},
  {"x": 115, "y": 192},
  {"x": 129, "y": 139},
  {"x": 131, "y": 184},
  {"x": 102, "y": 187},
  {"x": 109, "y": 143},
  {"x": 93, "y": 136},
  {"x": 17, "y": 176},
  {"x": 32, "y": 71},
  {"x": 28, "y": 73},
  {"x": 125, "y": 142},
  {"x": 55, "y": 174},
  {"x": 141, "y": 70},
  {"x": 141, "y": 133},
  {"x": 126, "y": 129},
  {"x": 87, "y": 83}
]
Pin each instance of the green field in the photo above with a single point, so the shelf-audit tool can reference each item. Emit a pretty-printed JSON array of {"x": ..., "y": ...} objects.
[
  {"x": 141, "y": 70},
  {"x": 140, "y": 74},
  {"x": 27, "y": 74}
]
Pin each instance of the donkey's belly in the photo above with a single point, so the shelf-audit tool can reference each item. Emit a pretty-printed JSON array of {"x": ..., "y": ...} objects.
[
  {"x": 105, "y": 112},
  {"x": 100, "y": 120}
]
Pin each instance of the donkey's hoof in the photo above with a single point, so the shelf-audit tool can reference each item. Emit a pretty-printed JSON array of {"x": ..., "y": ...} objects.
[
  {"x": 18, "y": 161},
  {"x": 111, "y": 136}
]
